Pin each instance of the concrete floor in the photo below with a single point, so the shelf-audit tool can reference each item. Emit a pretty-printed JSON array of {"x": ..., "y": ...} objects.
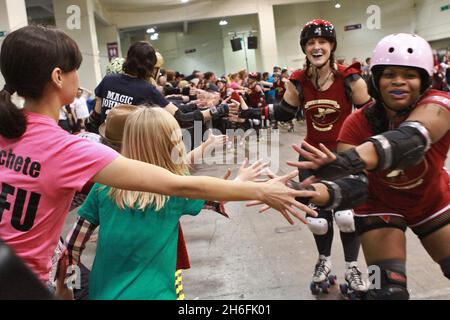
[{"x": 256, "y": 256}]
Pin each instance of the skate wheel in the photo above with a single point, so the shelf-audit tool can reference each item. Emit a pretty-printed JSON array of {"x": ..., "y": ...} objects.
[
  {"x": 314, "y": 290},
  {"x": 325, "y": 287},
  {"x": 332, "y": 280},
  {"x": 344, "y": 289}
]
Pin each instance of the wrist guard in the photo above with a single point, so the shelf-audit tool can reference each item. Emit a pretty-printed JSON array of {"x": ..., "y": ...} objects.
[
  {"x": 219, "y": 111},
  {"x": 296, "y": 186},
  {"x": 347, "y": 163},
  {"x": 186, "y": 120},
  {"x": 346, "y": 193}
]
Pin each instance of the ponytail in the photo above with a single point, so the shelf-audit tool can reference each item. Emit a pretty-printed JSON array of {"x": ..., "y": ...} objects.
[
  {"x": 12, "y": 120},
  {"x": 27, "y": 59}
]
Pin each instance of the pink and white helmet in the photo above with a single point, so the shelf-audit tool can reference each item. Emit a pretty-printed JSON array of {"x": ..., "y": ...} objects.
[{"x": 403, "y": 49}]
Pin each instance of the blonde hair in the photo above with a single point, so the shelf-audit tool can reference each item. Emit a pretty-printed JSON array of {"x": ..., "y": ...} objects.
[
  {"x": 151, "y": 135},
  {"x": 235, "y": 77}
]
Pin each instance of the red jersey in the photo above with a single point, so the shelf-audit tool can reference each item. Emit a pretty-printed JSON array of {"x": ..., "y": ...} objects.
[
  {"x": 417, "y": 193},
  {"x": 256, "y": 99},
  {"x": 280, "y": 89},
  {"x": 325, "y": 111}
]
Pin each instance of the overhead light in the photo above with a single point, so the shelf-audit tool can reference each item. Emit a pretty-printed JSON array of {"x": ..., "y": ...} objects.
[
  {"x": 337, "y": 5},
  {"x": 184, "y": 1},
  {"x": 151, "y": 30},
  {"x": 154, "y": 36},
  {"x": 223, "y": 22}
]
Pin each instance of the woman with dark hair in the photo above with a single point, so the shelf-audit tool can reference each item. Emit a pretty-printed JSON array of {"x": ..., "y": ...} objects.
[
  {"x": 401, "y": 140},
  {"x": 42, "y": 166},
  {"x": 326, "y": 92},
  {"x": 134, "y": 86}
]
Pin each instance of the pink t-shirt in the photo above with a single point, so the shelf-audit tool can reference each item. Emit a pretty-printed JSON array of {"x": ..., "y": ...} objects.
[
  {"x": 39, "y": 175},
  {"x": 234, "y": 85}
]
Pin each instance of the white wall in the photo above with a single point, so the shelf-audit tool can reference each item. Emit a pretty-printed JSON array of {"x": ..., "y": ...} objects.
[
  {"x": 212, "y": 44},
  {"x": 441, "y": 45},
  {"x": 289, "y": 20},
  {"x": 105, "y": 34},
  {"x": 421, "y": 16},
  {"x": 13, "y": 16},
  {"x": 431, "y": 22},
  {"x": 235, "y": 61},
  {"x": 205, "y": 37},
  {"x": 396, "y": 16}
]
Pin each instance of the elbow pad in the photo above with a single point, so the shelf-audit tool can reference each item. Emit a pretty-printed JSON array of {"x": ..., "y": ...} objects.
[
  {"x": 347, "y": 193},
  {"x": 402, "y": 148},
  {"x": 284, "y": 112},
  {"x": 187, "y": 119}
]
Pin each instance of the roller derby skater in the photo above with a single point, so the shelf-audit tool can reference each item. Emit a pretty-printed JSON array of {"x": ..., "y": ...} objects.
[
  {"x": 402, "y": 139},
  {"x": 324, "y": 80},
  {"x": 325, "y": 93}
]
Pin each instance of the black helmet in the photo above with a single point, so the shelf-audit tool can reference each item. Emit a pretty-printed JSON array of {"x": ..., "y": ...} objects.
[{"x": 318, "y": 28}]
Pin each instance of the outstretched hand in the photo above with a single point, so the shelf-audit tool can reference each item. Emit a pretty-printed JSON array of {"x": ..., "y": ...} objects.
[
  {"x": 310, "y": 180},
  {"x": 216, "y": 141},
  {"x": 280, "y": 197},
  {"x": 316, "y": 158},
  {"x": 252, "y": 172}
]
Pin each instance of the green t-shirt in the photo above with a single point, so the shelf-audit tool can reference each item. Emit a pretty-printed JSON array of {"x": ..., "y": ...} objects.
[{"x": 136, "y": 250}]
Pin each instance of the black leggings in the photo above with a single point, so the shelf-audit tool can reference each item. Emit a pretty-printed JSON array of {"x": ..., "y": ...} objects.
[{"x": 350, "y": 241}]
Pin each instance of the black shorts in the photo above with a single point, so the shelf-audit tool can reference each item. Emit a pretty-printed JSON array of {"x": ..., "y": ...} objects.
[{"x": 368, "y": 223}]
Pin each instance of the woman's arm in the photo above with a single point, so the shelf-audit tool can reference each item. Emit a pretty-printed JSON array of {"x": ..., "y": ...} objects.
[
  {"x": 342, "y": 194},
  {"x": 129, "y": 174},
  {"x": 435, "y": 118},
  {"x": 213, "y": 141},
  {"x": 395, "y": 149},
  {"x": 360, "y": 95}
]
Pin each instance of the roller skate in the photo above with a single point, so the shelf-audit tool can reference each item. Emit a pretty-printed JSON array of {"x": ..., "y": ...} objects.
[
  {"x": 322, "y": 279},
  {"x": 354, "y": 288}
]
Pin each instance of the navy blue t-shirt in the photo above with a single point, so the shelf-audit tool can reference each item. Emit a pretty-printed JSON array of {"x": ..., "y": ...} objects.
[{"x": 119, "y": 89}]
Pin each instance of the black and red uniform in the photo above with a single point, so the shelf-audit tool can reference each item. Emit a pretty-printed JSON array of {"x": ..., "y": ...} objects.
[
  {"x": 280, "y": 89},
  {"x": 256, "y": 99},
  {"x": 417, "y": 194},
  {"x": 325, "y": 111}
]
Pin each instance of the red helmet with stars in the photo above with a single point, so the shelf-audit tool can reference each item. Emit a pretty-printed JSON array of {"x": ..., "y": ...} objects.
[{"x": 318, "y": 28}]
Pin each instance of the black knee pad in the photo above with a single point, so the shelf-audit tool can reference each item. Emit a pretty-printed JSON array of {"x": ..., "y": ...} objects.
[
  {"x": 393, "y": 282},
  {"x": 445, "y": 267}
]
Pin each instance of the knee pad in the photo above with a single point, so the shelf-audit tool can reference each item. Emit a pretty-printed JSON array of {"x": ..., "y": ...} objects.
[
  {"x": 391, "y": 292},
  {"x": 390, "y": 281},
  {"x": 445, "y": 267},
  {"x": 344, "y": 220},
  {"x": 318, "y": 226}
]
